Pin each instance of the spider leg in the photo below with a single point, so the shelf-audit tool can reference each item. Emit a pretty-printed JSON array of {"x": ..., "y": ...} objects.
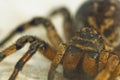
[
  {"x": 112, "y": 63},
  {"x": 116, "y": 73},
  {"x": 68, "y": 25},
  {"x": 51, "y": 32},
  {"x": 47, "y": 50},
  {"x": 56, "y": 61},
  {"x": 36, "y": 45},
  {"x": 33, "y": 48}
]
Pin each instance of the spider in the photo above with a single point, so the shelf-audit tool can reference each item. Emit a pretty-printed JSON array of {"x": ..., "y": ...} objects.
[{"x": 90, "y": 49}]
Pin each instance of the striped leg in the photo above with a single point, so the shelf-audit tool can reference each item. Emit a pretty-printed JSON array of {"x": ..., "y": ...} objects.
[
  {"x": 35, "y": 45},
  {"x": 57, "y": 59},
  {"x": 51, "y": 32},
  {"x": 112, "y": 63}
]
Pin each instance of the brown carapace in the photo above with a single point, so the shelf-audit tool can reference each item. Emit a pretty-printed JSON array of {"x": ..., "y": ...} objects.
[{"x": 89, "y": 52}]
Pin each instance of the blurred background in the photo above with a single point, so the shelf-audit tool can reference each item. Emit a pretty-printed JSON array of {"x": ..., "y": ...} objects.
[{"x": 16, "y": 12}]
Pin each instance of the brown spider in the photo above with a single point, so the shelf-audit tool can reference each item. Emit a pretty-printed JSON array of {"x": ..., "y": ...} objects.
[{"x": 89, "y": 52}]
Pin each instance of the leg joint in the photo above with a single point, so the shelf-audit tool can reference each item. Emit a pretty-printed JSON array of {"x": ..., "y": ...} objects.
[{"x": 19, "y": 65}]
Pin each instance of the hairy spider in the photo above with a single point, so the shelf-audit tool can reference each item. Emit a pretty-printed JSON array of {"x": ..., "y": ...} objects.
[{"x": 89, "y": 52}]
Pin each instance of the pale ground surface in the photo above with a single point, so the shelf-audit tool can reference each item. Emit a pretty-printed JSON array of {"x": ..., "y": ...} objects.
[{"x": 15, "y": 12}]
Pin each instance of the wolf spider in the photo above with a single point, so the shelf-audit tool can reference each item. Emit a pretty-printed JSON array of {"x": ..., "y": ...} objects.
[{"x": 89, "y": 52}]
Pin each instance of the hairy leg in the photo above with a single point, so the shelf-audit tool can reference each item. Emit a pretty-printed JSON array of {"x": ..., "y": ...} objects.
[
  {"x": 35, "y": 45},
  {"x": 112, "y": 63},
  {"x": 57, "y": 59},
  {"x": 51, "y": 32}
]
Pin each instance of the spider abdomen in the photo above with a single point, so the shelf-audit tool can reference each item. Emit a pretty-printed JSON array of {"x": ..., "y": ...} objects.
[{"x": 102, "y": 15}]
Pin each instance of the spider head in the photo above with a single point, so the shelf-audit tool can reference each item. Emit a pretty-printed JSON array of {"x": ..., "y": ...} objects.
[{"x": 91, "y": 41}]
